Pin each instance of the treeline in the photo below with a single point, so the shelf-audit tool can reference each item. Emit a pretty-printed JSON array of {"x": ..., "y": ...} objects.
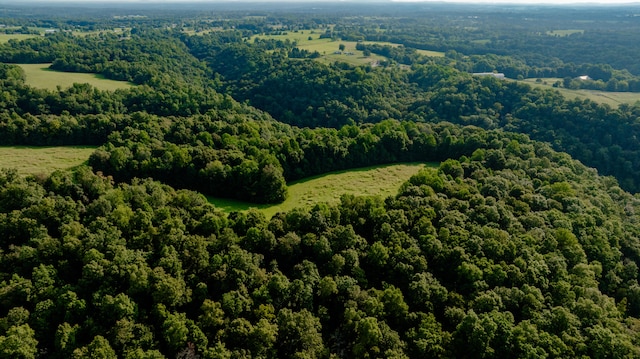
[
  {"x": 144, "y": 55},
  {"x": 228, "y": 155},
  {"x": 306, "y": 93},
  {"x": 301, "y": 93},
  {"x": 512, "y": 251}
]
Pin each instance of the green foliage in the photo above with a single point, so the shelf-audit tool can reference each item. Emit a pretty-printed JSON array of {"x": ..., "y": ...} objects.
[
  {"x": 479, "y": 258},
  {"x": 508, "y": 249},
  {"x": 19, "y": 342}
]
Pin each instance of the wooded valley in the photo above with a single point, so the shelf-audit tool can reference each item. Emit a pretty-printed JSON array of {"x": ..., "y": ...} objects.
[{"x": 523, "y": 242}]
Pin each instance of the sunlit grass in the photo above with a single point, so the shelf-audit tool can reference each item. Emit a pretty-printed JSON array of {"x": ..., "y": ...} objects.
[
  {"x": 40, "y": 76},
  {"x": 612, "y": 99},
  {"x": 310, "y": 40},
  {"x": 384, "y": 180},
  {"x": 561, "y": 33},
  {"x": 4, "y": 38},
  {"x": 43, "y": 160}
]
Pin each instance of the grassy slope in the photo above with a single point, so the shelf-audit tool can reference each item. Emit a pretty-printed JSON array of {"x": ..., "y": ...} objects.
[
  {"x": 40, "y": 76},
  {"x": 6, "y": 37},
  {"x": 564, "y": 32},
  {"x": 613, "y": 99},
  {"x": 327, "y": 47},
  {"x": 384, "y": 180},
  {"x": 38, "y": 160}
]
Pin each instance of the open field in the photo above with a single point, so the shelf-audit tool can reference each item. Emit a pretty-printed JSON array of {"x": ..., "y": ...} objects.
[
  {"x": 564, "y": 32},
  {"x": 613, "y": 99},
  {"x": 4, "y": 38},
  {"x": 115, "y": 30},
  {"x": 326, "y": 47},
  {"x": 40, "y": 76},
  {"x": 431, "y": 53},
  {"x": 384, "y": 180},
  {"x": 310, "y": 40},
  {"x": 39, "y": 160}
]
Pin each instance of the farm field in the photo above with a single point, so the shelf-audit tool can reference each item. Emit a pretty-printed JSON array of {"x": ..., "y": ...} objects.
[
  {"x": 43, "y": 160},
  {"x": 4, "y": 38},
  {"x": 40, "y": 76},
  {"x": 431, "y": 53},
  {"x": 115, "y": 30},
  {"x": 612, "y": 99},
  {"x": 310, "y": 40},
  {"x": 383, "y": 180},
  {"x": 564, "y": 32}
]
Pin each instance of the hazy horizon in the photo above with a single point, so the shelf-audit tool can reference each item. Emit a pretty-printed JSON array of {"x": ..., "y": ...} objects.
[{"x": 514, "y": 2}]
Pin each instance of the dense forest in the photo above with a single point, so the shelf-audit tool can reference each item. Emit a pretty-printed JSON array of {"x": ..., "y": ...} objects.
[{"x": 523, "y": 242}]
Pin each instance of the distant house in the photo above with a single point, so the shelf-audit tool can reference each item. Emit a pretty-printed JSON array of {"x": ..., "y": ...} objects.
[
  {"x": 498, "y": 75},
  {"x": 583, "y": 78}
]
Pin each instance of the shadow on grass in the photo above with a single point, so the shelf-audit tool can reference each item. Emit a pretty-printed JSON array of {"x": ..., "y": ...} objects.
[{"x": 230, "y": 205}]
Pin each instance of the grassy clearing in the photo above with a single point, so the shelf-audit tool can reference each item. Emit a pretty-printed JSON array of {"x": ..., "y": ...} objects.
[
  {"x": 310, "y": 40},
  {"x": 43, "y": 160},
  {"x": 116, "y": 30},
  {"x": 431, "y": 53},
  {"x": 328, "y": 47},
  {"x": 191, "y": 31},
  {"x": 561, "y": 33},
  {"x": 40, "y": 76},
  {"x": 384, "y": 180},
  {"x": 4, "y": 38},
  {"x": 612, "y": 99}
]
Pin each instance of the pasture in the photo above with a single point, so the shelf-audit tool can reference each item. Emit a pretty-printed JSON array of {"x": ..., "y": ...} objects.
[
  {"x": 4, "y": 38},
  {"x": 431, "y": 53},
  {"x": 561, "y": 33},
  {"x": 40, "y": 76},
  {"x": 383, "y": 180},
  {"x": 115, "y": 30},
  {"x": 310, "y": 40},
  {"x": 612, "y": 99},
  {"x": 43, "y": 160}
]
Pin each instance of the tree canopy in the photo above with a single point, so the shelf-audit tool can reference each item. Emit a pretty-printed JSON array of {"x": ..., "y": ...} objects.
[{"x": 510, "y": 248}]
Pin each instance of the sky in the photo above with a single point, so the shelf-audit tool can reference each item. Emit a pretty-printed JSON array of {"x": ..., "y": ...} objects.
[
  {"x": 604, "y": 2},
  {"x": 534, "y": 2}
]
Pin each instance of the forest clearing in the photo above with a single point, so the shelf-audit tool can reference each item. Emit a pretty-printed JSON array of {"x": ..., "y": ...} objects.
[
  {"x": 41, "y": 76},
  {"x": 382, "y": 180},
  {"x": 43, "y": 160}
]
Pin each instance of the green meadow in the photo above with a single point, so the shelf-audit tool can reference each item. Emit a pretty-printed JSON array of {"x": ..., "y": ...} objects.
[
  {"x": 4, "y": 38},
  {"x": 43, "y": 160},
  {"x": 383, "y": 180},
  {"x": 310, "y": 40},
  {"x": 612, "y": 99},
  {"x": 564, "y": 32},
  {"x": 431, "y": 53},
  {"x": 40, "y": 76},
  {"x": 115, "y": 30}
]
